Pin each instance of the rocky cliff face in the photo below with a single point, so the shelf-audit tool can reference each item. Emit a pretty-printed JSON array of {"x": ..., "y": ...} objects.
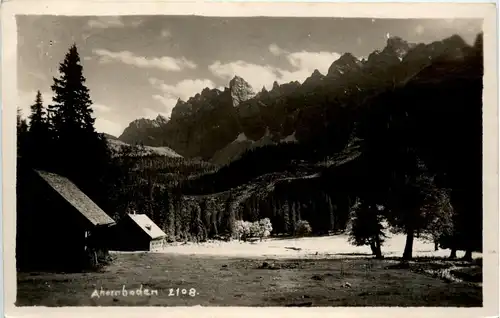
[
  {"x": 143, "y": 131},
  {"x": 240, "y": 90},
  {"x": 345, "y": 64},
  {"x": 208, "y": 124}
]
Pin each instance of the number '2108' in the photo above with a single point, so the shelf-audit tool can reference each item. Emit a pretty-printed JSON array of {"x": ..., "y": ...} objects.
[{"x": 181, "y": 292}]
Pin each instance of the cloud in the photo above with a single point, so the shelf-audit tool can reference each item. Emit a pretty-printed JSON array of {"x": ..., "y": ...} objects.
[
  {"x": 256, "y": 75},
  {"x": 419, "y": 29},
  {"x": 291, "y": 76},
  {"x": 165, "y": 33},
  {"x": 104, "y": 125},
  {"x": 110, "y": 22},
  {"x": 309, "y": 61},
  {"x": 39, "y": 76},
  {"x": 302, "y": 65},
  {"x": 166, "y": 63},
  {"x": 100, "y": 108},
  {"x": 275, "y": 50},
  {"x": 150, "y": 113},
  {"x": 105, "y": 22},
  {"x": 183, "y": 90},
  {"x": 167, "y": 102}
]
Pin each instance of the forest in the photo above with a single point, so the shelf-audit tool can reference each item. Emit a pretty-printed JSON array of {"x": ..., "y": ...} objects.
[{"x": 404, "y": 157}]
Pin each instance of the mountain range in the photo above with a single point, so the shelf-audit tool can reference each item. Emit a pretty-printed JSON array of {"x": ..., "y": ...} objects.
[{"x": 219, "y": 125}]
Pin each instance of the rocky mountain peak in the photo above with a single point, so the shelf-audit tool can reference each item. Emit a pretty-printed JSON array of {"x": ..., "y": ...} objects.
[
  {"x": 236, "y": 80},
  {"x": 455, "y": 40},
  {"x": 160, "y": 119},
  {"x": 181, "y": 108},
  {"x": 316, "y": 74},
  {"x": 276, "y": 86},
  {"x": 453, "y": 47},
  {"x": 345, "y": 63},
  {"x": 141, "y": 123},
  {"x": 240, "y": 90},
  {"x": 398, "y": 46},
  {"x": 478, "y": 43},
  {"x": 315, "y": 79}
]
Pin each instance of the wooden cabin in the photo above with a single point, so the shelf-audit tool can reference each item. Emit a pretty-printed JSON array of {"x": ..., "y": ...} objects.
[
  {"x": 136, "y": 232},
  {"x": 58, "y": 226}
]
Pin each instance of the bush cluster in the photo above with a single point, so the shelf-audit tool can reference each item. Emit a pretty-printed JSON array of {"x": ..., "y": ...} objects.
[{"x": 245, "y": 229}]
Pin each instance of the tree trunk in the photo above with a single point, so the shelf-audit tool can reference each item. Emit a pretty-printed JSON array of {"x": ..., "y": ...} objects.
[
  {"x": 436, "y": 245},
  {"x": 378, "y": 251},
  {"x": 407, "y": 255},
  {"x": 373, "y": 247},
  {"x": 453, "y": 253},
  {"x": 468, "y": 255}
]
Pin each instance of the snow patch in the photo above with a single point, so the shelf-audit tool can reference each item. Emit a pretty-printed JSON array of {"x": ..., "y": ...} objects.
[
  {"x": 241, "y": 137},
  {"x": 290, "y": 138},
  {"x": 314, "y": 247},
  {"x": 116, "y": 145},
  {"x": 268, "y": 133}
]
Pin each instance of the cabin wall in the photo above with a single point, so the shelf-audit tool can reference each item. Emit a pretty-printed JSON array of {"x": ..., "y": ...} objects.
[
  {"x": 51, "y": 233},
  {"x": 128, "y": 236},
  {"x": 157, "y": 244}
]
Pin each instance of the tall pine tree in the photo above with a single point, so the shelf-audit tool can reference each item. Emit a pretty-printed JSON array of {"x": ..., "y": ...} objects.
[
  {"x": 22, "y": 130},
  {"x": 78, "y": 152},
  {"x": 38, "y": 137}
]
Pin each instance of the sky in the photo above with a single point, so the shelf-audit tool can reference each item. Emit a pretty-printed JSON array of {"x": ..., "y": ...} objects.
[{"x": 138, "y": 66}]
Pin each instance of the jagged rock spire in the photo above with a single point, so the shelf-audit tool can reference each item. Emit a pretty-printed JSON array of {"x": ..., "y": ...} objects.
[{"x": 240, "y": 90}]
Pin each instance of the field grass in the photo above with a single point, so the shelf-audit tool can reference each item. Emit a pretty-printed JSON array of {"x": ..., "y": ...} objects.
[{"x": 246, "y": 282}]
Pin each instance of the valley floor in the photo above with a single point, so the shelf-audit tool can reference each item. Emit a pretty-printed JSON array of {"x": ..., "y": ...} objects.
[
  {"x": 282, "y": 277},
  {"x": 334, "y": 246}
]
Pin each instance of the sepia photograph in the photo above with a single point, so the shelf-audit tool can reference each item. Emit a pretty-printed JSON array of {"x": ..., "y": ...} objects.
[{"x": 249, "y": 161}]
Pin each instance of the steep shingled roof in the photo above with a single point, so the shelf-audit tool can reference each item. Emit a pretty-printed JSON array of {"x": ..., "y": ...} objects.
[
  {"x": 147, "y": 225},
  {"x": 79, "y": 200}
]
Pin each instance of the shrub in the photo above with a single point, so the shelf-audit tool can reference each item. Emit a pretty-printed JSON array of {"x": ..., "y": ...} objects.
[
  {"x": 265, "y": 227},
  {"x": 245, "y": 229},
  {"x": 242, "y": 229},
  {"x": 303, "y": 228}
]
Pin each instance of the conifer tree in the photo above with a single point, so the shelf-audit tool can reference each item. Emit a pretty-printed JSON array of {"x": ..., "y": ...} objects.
[
  {"x": 37, "y": 116},
  {"x": 366, "y": 226},
  {"x": 286, "y": 218},
  {"x": 171, "y": 222},
  {"x": 293, "y": 217},
  {"x": 38, "y": 138},
  {"x": 72, "y": 104},
  {"x": 79, "y": 152},
  {"x": 22, "y": 130},
  {"x": 230, "y": 218}
]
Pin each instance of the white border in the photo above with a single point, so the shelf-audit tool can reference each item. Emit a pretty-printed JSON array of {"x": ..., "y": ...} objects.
[{"x": 375, "y": 10}]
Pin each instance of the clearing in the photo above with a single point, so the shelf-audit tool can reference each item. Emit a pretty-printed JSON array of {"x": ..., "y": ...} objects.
[{"x": 320, "y": 271}]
